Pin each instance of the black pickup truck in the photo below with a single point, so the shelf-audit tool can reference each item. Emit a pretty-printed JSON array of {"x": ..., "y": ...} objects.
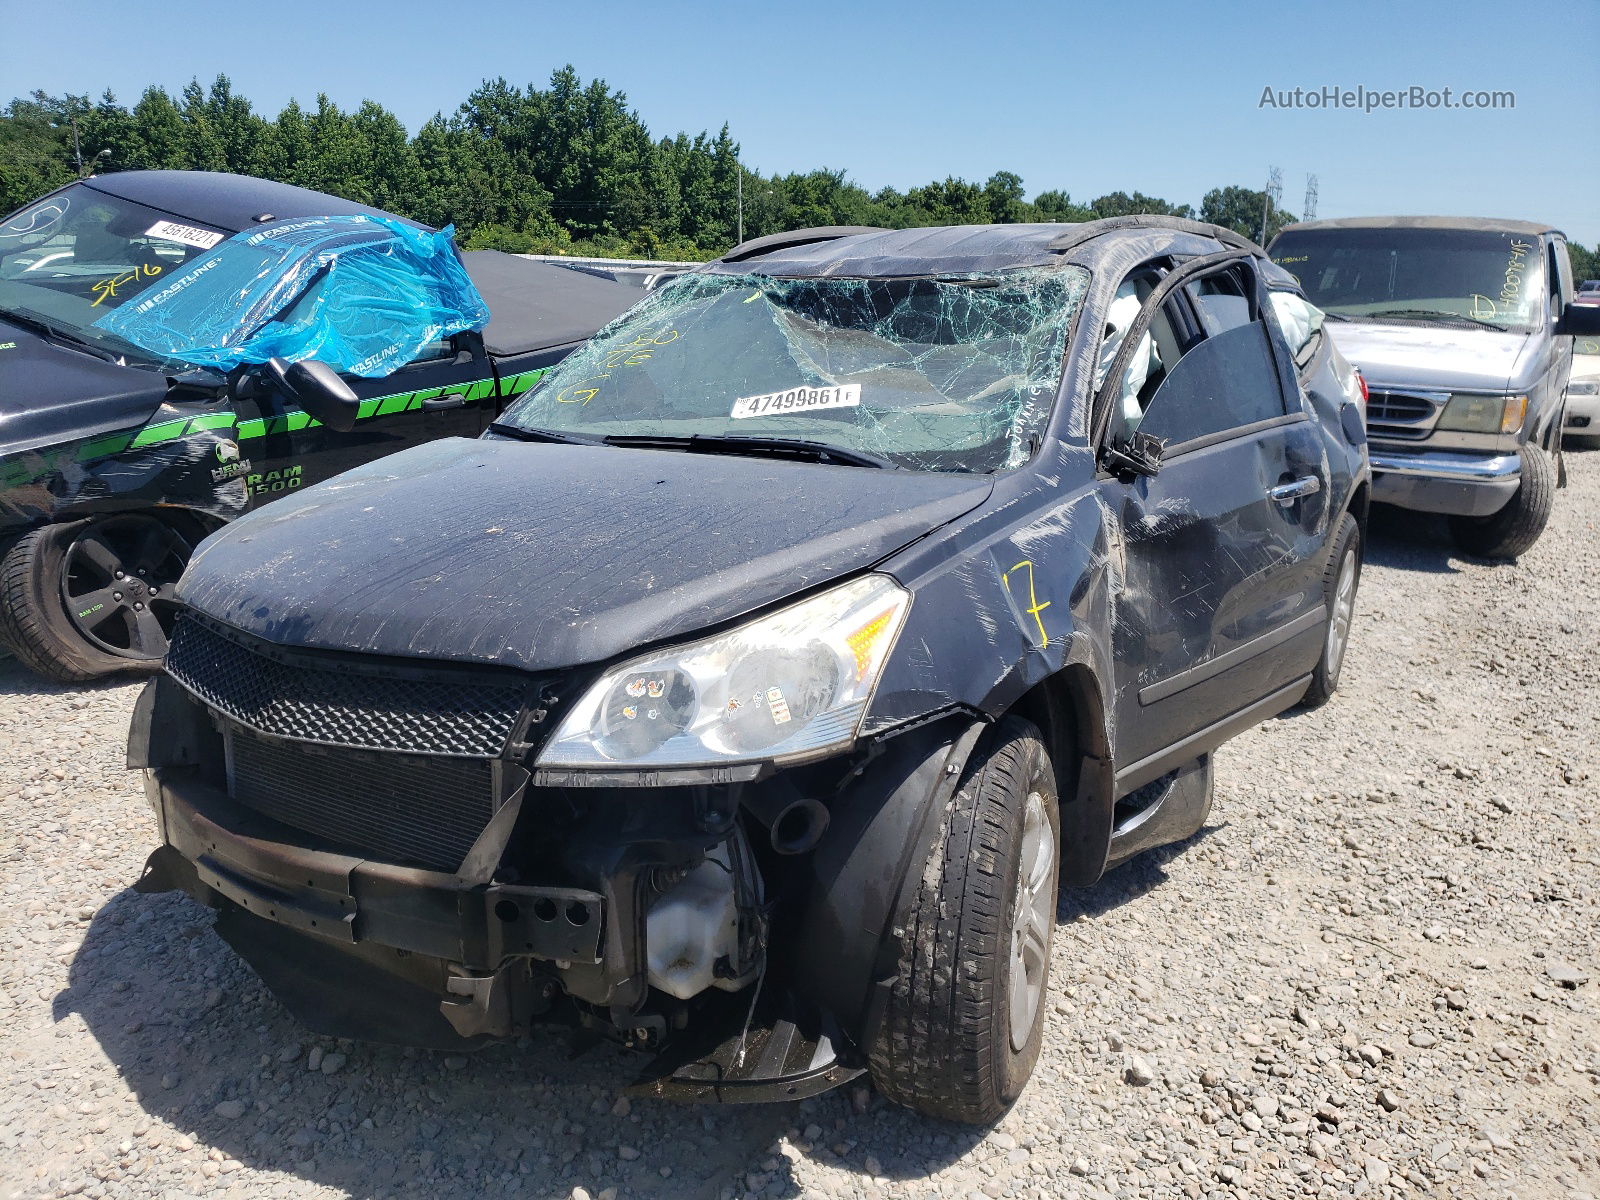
[{"x": 115, "y": 459}]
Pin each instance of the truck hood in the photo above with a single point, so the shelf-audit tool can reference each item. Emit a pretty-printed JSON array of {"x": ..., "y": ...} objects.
[
  {"x": 1432, "y": 356},
  {"x": 51, "y": 394},
  {"x": 549, "y": 556}
]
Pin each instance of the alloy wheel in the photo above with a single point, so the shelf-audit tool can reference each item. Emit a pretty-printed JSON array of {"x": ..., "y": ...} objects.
[
  {"x": 1033, "y": 918},
  {"x": 114, "y": 579},
  {"x": 1344, "y": 608}
]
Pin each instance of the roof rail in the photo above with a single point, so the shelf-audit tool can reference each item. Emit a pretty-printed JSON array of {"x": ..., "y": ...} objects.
[
  {"x": 793, "y": 238},
  {"x": 1089, "y": 230}
]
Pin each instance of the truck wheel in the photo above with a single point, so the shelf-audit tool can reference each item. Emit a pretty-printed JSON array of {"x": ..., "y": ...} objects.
[
  {"x": 76, "y": 599},
  {"x": 965, "y": 1013},
  {"x": 1340, "y": 579},
  {"x": 1516, "y": 527}
]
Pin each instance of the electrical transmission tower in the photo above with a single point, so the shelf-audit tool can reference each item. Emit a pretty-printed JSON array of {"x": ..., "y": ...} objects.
[
  {"x": 1273, "y": 198},
  {"x": 1310, "y": 213}
]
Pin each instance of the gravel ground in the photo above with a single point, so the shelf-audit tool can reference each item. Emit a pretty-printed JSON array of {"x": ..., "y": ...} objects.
[{"x": 1368, "y": 976}]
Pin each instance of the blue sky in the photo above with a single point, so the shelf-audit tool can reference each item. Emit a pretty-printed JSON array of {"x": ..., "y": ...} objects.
[{"x": 1159, "y": 97}]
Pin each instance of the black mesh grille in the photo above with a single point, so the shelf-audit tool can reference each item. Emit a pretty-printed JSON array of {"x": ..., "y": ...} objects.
[
  {"x": 338, "y": 706},
  {"x": 401, "y": 808}
]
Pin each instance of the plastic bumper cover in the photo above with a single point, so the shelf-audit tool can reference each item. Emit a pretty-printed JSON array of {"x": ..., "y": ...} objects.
[
  {"x": 1469, "y": 485},
  {"x": 1583, "y": 415}
]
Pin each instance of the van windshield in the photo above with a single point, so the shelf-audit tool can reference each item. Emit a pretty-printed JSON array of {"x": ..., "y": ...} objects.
[
  {"x": 1448, "y": 276},
  {"x": 933, "y": 374}
]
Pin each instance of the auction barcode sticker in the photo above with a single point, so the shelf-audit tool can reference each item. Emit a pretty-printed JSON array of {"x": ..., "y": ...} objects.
[
  {"x": 795, "y": 400},
  {"x": 189, "y": 235}
]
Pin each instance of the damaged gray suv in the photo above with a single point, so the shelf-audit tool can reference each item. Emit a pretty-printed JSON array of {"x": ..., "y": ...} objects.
[{"x": 747, "y": 692}]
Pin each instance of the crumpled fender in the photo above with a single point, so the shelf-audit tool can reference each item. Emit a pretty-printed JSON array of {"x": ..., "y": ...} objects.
[
  {"x": 881, "y": 830},
  {"x": 178, "y": 458}
]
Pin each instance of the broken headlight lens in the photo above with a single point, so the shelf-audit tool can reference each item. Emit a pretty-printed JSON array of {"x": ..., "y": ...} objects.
[
  {"x": 1468, "y": 413},
  {"x": 790, "y": 683}
]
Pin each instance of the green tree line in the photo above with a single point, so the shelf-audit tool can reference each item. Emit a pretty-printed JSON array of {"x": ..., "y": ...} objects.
[{"x": 569, "y": 168}]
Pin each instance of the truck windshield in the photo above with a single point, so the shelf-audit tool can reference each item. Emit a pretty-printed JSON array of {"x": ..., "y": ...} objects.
[
  {"x": 934, "y": 374},
  {"x": 77, "y": 254},
  {"x": 1451, "y": 276}
]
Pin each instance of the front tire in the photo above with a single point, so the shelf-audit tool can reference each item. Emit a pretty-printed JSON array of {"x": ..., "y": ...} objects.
[
  {"x": 965, "y": 1017},
  {"x": 82, "y": 600},
  {"x": 1515, "y": 528}
]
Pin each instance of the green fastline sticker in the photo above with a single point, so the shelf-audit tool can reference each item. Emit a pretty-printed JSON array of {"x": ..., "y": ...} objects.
[{"x": 22, "y": 471}]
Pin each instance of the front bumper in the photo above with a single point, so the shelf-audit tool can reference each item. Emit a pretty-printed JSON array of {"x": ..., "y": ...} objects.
[
  {"x": 1583, "y": 415},
  {"x": 1444, "y": 481},
  {"x": 459, "y": 941}
]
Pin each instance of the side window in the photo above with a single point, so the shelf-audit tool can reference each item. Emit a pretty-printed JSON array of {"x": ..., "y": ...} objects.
[
  {"x": 1219, "y": 301},
  {"x": 1159, "y": 349},
  {"x": 1226, "y": 379}
]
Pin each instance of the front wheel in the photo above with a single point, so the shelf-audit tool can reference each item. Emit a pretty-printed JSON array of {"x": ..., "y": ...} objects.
[
  {"x": 1515, "y": 528},
  {"x": 965, "y": 1016},
  {"x": 82, "y": 600}
]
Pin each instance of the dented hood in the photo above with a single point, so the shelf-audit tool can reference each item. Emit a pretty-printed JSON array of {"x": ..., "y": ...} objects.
[
  {"x": 548, "y": 556},
  {"x": 1432, "y": 356}
]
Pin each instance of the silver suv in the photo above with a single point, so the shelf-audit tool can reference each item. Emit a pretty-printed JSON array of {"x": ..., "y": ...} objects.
[{"x": 1462, "y": 328}]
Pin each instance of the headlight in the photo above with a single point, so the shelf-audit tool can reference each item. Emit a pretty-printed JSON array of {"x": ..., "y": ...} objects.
[
  {"x": 791, "y": 683},
  {"x": 1584, "y": 387},
  {"x": 1484, "y": 414}
]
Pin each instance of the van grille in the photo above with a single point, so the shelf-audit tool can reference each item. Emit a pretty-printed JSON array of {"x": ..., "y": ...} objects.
[{"x": 1399, "y": 415}]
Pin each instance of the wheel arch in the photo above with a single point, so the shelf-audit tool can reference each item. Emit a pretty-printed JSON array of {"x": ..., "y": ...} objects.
[
  {"x": 1068, "y": 707},
  {"x": 1359, "y": 506}
]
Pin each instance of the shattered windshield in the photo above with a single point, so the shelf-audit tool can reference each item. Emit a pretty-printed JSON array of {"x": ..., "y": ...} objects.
[
  {"x": 937, "y": 374},
  {"x": 1450, "y": 275}
]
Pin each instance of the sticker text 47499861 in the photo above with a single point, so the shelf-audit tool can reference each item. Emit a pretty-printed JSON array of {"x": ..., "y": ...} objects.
[{"x": 795, "y": 400}]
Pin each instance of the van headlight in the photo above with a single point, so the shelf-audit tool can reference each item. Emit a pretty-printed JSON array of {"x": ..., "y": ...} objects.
[
  {"x": 792, "y": 683},
  {"x": 1467, "y": 413},
  {"x": 1584, "y": 387}
]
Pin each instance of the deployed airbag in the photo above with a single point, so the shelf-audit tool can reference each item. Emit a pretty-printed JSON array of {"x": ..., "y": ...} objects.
[{"x": 363, "y": 294}]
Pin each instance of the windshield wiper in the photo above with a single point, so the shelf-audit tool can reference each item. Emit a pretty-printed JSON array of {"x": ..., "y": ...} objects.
[
  {"x": 1425, "y": 314},
  {"x": 527, "y": 434},
  {"x": 49, "y": 330},
  {"x": 735, "y": 443}
]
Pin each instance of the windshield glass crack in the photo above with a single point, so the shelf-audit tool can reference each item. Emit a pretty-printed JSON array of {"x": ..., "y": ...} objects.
[{"x": 949, "y": 374}]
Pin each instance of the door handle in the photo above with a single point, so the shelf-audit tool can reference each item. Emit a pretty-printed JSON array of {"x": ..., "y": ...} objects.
[
  {"x": 1287, "y": 493},
  {"x": 437, "y": 403}
]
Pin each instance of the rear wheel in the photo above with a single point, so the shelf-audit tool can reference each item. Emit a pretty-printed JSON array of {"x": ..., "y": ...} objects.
[
  {"x": 1515, "y": 528},
  {"x": 83, "y": 600},
  {"x": 965, "y": 1017},
  {"x": 1339, "y": 582}
]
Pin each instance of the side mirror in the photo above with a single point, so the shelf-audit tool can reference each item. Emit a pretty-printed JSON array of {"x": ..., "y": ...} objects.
[
  {"x": 317, "y": 388},
  {"x": 1130, "y": 457},
  {"x": 1581, "y": 320}
]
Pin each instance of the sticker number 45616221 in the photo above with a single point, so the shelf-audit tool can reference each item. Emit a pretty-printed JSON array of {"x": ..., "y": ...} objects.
[
  {"x": 796, "y": 400},
  {"x": 188, "y": 235}
]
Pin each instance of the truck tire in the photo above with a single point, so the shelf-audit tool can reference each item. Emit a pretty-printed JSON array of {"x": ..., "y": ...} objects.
[
  {"x": 965, "y": 1015},
  {"x": 1340, "y": 579},
  {"x": 1515, "y": 528},
  {"x": 65, "y": 610}
]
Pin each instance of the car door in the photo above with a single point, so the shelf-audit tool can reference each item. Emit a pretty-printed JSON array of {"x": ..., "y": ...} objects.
[
  {"x": 1220, "y": 604},
  {"x": 448, "y": 392}
]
